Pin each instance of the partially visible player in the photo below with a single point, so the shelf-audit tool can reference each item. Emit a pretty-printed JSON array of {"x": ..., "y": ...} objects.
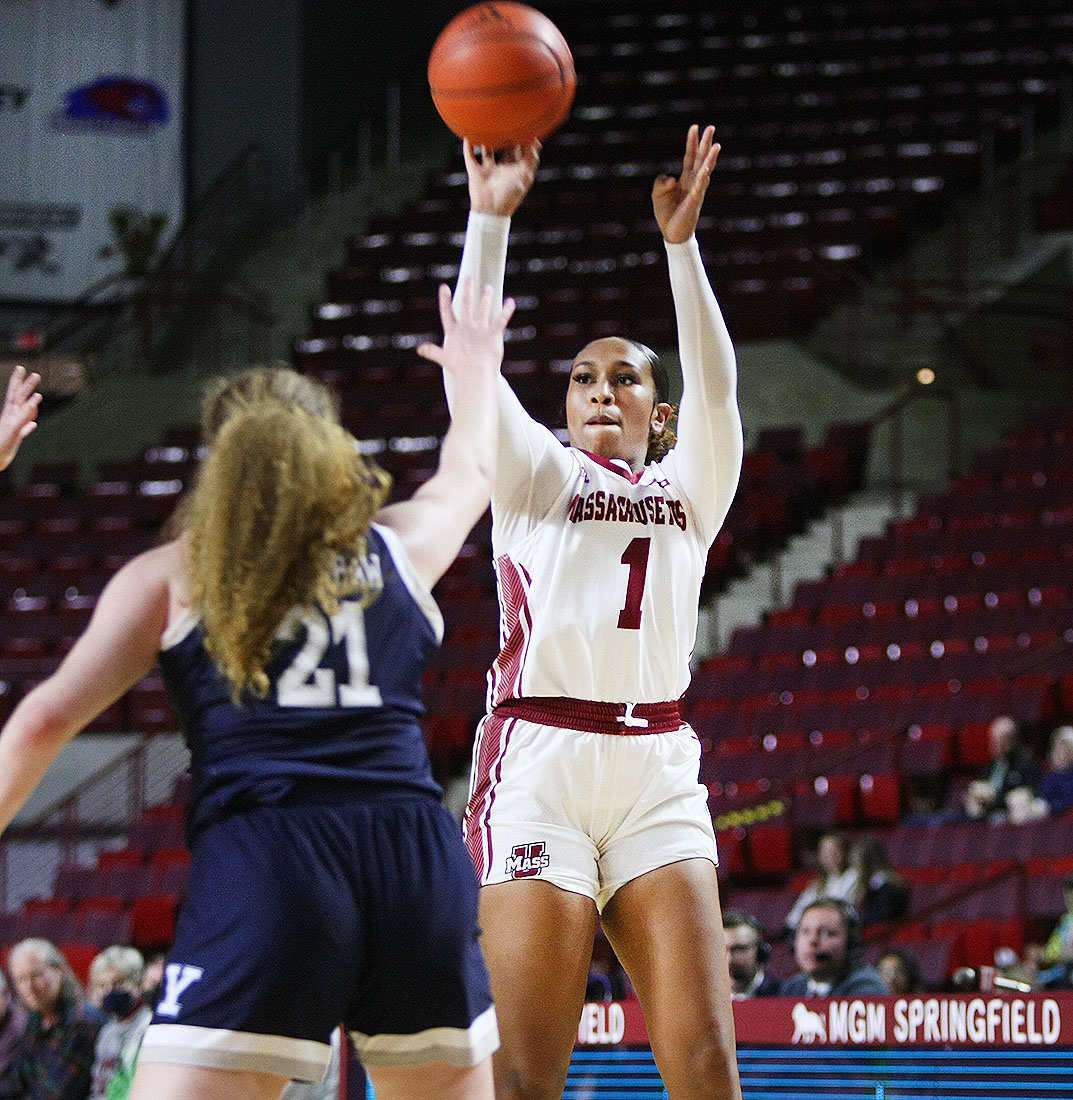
[
  {"x": 585, "y": 797},
  {"x": 292, "y": 620},
  {"x": 18, "y": 417}
]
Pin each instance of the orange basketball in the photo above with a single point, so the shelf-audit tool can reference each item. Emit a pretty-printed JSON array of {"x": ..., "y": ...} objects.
[{"x": 501, "y": 74}]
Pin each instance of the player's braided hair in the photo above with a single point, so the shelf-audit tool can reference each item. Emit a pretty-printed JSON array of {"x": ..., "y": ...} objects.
[{"x": 282, "y": 498}]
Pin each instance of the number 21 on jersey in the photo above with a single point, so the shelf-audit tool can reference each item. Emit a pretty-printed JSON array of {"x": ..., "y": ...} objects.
[{"x": 308, "y": 681}]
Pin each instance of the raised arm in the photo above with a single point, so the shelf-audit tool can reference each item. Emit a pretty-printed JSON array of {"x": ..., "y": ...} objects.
[
  {"x": 435, "y": 521},
  {"x": 709, "y": 450},
  {"x": 118, "y": 648},
  {"x": 497, "y": 185},
  {"x": 496, "y": 190}
]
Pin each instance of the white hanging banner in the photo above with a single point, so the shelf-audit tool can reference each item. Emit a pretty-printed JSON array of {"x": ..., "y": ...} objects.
[{"x": 91, "y": 140}]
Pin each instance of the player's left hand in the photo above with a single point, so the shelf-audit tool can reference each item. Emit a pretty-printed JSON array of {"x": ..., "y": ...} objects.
[{"x": 677, "y": 202}]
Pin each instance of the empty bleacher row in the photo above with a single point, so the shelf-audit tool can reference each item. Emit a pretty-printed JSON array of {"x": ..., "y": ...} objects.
[
  {"x": 844, "y": 131},
  {"x": 127, "y": 895},
  {"x": 59, "y": 545}
]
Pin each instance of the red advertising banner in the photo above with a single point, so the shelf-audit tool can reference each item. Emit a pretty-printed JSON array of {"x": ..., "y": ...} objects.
[{"x": 964, "y": 1020}]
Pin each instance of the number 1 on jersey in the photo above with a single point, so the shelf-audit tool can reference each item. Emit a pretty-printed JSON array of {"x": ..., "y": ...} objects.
[{"x": 636, "y": 557}]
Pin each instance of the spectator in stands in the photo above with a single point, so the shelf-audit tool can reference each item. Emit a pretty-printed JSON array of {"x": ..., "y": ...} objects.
[
  {"x": 1013, "y": 767},
  {"x": 55, "y": 1058},
  {"x": 12, "y": 1025},
  {"x": 882, "y": 894},
  {"x": 107, "y": 970},
  {"x": 115, "y": 982},
  {"x": 837, "y": 878},
  {"x": 827, "y": 948},
  {"x": 152, "y": 985},
  {"x": 1055, "y": 789},
  {"x": 1054, "y": 959},
  {"x": 900, "y": 972},
  {"x": 747, "y": 954}
]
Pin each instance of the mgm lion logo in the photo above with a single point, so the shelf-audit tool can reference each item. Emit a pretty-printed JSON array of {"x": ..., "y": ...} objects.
[{"x": 808, "y": 1025}]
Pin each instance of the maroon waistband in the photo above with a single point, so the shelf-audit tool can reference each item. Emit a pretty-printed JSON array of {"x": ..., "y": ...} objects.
[{"x": 591, "y": 717}]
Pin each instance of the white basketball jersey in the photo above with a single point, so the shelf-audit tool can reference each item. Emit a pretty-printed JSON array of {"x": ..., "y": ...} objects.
[
  {"x": 599, "y": 569},
  {"x": 598, "y": 597}
]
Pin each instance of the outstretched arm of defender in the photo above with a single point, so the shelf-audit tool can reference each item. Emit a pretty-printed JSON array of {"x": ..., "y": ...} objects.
[{"x": 434, "y": 523}]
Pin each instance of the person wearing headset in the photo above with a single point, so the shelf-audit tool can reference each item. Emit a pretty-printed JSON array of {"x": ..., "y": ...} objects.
[
  {"x": 747, "y": 954},
  {"x": 828, "y": 950}
]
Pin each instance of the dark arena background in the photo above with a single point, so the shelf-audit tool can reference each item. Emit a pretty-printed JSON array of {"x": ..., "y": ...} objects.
[{"x": 889, "y": 232}]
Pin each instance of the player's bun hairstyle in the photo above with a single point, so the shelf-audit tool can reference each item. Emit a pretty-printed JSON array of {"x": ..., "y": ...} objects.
[
  {"x": 661, "y": 442},
  {"x": 282, "y": 502}
]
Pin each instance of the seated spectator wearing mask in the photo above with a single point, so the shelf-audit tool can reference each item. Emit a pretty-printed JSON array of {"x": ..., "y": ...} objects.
[{"x": 115, "y": 979}]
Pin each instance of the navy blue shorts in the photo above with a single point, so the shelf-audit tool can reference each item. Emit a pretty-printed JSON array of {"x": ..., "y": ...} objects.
[{"x": 304, "y": 917}]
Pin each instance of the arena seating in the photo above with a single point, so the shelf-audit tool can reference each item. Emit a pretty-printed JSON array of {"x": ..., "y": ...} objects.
[
  {"x": 872, "y": 693},
  {"x": 847, "y": 129}
]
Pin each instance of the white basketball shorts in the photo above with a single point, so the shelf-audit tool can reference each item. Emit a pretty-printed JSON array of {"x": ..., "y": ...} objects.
[{"x": 583, "y": 810}]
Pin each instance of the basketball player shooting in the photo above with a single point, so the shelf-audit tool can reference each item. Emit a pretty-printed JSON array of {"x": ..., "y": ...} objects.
[{"x": 585, "y": 798}]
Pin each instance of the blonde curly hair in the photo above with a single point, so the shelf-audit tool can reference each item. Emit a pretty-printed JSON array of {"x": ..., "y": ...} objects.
[{"x": 282, "y": 503}]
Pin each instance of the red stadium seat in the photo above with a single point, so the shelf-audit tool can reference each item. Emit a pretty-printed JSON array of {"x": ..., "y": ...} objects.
[
  {"x": 770, "y": 848},
  {"x": 103, "y": 927},
  {"x": 120, "y": 857},
  {"x": 79, "y": 956},
  {"x": 152, "y": 921},
  {"x": 880, "y": 798}
]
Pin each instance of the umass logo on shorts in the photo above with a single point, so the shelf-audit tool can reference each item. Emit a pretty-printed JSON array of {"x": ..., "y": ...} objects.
[{"x": 527, "y": 860}]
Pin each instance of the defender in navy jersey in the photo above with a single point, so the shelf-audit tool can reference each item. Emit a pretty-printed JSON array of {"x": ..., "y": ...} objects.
[
  {"x": 292, "y": 619},
  {"x": 353, "y": 677}
]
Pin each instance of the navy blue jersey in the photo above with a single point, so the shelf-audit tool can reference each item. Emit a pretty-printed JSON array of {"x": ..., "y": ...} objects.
[{"x": 342, "y": 715}]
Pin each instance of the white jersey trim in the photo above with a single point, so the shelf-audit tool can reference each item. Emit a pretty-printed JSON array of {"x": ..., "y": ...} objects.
[
  {"x": 175, "y": 632},
  {"x": 219, "y": 1048},
  {"x": 453, "y": 1045},
  {"x": 413, "y": 583}
]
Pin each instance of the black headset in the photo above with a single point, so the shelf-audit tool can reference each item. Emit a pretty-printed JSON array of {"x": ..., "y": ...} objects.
[
  {"x": 851, "y": 919},
  {"x": 734, "y": 918}
]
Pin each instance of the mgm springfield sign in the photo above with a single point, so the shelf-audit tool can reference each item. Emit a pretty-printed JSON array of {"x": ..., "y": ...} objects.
[{"x": 969, "y": 1046}]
